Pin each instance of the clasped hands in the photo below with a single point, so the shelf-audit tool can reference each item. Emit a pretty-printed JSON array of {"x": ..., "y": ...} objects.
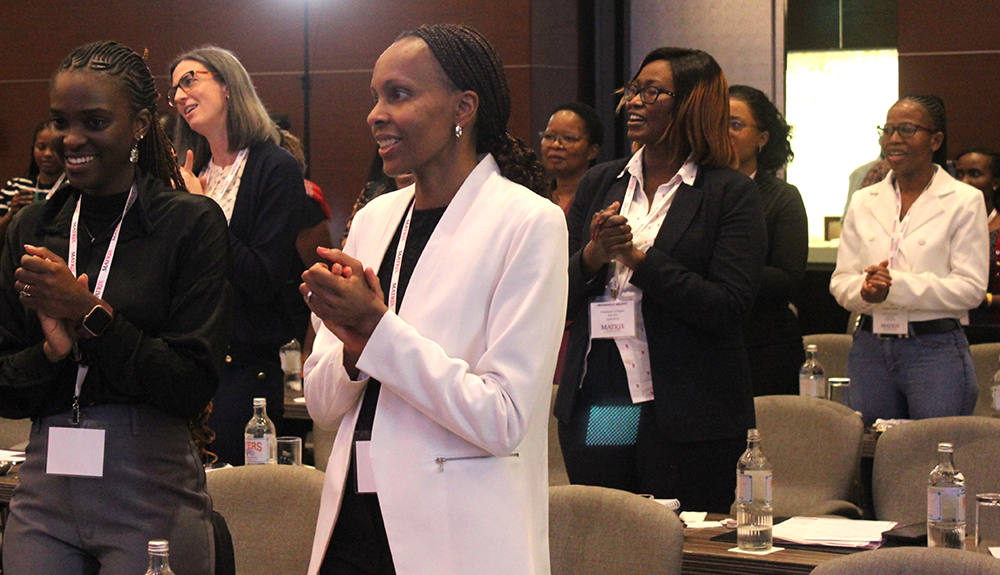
[
  {"x": 610, "y": 239},
  {"x": 348, "y": 298},
  {"x": 875, "y": 287},
  {"x": 61, "y": 301}
]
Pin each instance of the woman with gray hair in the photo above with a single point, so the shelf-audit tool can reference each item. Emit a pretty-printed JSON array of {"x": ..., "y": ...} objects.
[{"x": 231, "y": 154}]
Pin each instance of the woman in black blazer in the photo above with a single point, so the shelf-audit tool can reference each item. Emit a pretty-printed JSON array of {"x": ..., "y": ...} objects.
[{"x": 678, "y": 237}]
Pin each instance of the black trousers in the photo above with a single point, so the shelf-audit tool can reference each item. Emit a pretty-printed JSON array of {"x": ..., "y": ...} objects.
[{"x": 701, "y": 474}]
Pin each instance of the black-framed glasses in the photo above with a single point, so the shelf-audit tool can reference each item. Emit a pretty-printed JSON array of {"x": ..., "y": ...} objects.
[
  {"x": 737, "y": 126},
  {"x": 648, "y": 94},
  {"x": 565, "y": 140},
  {"x": 906, "y": 130},
  {"x": 186, "y": 82}
]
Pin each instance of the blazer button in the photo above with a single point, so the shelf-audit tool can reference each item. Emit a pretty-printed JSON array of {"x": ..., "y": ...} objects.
[
  {"x": 921, "y": 241},
  {"x": 261, "y": 375},
  {"x": 229, "y": 359}
]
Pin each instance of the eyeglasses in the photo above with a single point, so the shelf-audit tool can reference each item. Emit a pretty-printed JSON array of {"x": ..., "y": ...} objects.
[
  {"x": 565, "y": 140},
  {"x": 648, "y": 95},
  {"x": 736, "y": 126},
  {"x": 186, "y": 82},
  {"x": 904, "y": 130}
]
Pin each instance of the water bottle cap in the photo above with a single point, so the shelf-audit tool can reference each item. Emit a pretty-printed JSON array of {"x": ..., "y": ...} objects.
[
  {"x": 811, "y": 347},
  {"x": 945, "y": 448},
  {"x": 753, "y": 435},
  {"x": 159, "y": 546},
  {"x": 260, "y": 402}
]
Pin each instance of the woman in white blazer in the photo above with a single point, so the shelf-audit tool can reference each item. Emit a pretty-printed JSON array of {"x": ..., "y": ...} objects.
[
  {"x": 457, "y": 424},
  {"x": 913, "y": 260}
]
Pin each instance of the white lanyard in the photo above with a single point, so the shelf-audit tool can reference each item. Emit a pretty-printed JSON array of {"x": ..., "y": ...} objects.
[
  {"x": 397, "y": 263},
  {"x": 102, "y": 276},
  {"x": 54, "y": 187},
  {"x": 899, "y": 227}
]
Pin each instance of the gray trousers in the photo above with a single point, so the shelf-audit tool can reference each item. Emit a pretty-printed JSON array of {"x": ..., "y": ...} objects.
[{"x": 153, "y": 488}]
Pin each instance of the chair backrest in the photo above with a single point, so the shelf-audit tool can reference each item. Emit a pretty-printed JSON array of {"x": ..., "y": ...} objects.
[
  {"x": 813, "y": 446},
  {"x": 833, "y": 349},
  {"x": 984, "y": 357},
  {"x": 557, "y": 467},
  {"x": 906, "y": 454},
  {"x": 911, "y": 561},
  {"x": 271, "y": 513},
  {"x": 600, "y": 531},
  {"x": 14, "y": 433}
]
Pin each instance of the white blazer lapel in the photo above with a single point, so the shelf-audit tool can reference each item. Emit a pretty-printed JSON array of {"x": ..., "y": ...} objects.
[
  {"x": 881, "y": 203},
  {"x": 930, "y": 202}
]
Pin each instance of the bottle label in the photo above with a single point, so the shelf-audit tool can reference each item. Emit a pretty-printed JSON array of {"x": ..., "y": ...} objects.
[
  {"x": 996, "y": 397},
  {"x": 812, "y": 386},
  {"x": 946, "y": 504},
  {"x": 753, "y": 486},
  {"x": 257, "y": 450}
]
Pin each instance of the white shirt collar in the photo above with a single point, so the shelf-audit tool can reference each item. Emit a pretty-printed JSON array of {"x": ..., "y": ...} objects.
[{"x": 688, "y": 171}]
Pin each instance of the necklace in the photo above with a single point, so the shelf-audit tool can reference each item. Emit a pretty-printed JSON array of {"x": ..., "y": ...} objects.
[{"x": 93, "y": 238}]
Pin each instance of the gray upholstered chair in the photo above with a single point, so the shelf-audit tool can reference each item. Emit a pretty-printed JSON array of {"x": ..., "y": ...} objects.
[
  {"x": 911, "y": 561},
  {"x": 14, "y": 433},
  {"x": 813, "y": 445},
  {"x": 557, "y": 467},
  {"x": 984, "y": 357},
  {"x": 906, "y": 454},
  {"x": 600, "y": 531},
  {"x": 833, "y": 349},
  {"x": 271, "y": 511}
]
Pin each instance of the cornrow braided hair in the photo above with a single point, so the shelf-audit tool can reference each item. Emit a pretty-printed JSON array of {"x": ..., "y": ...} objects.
[
  {"x": 936, "y": 110},
  {"x": 471, "y": 63},
  {"x": 156, "y": 153}
]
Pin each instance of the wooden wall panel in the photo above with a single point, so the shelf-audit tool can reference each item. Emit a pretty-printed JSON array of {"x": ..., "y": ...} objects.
[{"x": 346, "y": 37}]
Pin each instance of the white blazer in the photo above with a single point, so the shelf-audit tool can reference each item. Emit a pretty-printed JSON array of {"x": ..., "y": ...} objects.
[
  {"x": 942, "y": 265},
  {"x": 458, "y": 447}
]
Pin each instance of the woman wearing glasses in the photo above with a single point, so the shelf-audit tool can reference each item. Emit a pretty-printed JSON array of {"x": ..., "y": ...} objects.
[
  {"x": 667, "y": 250},
  {"x": 774, "y": 341},
  {"x": 913, "y": 260},
  {"x": 570, "y": 142},
  {"x": 231, "y": 154}
]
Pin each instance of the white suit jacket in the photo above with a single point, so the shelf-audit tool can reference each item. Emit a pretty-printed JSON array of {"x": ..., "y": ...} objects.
[
  {"x": 458, "y": 445},
  {"x": 943, "y": 261}
]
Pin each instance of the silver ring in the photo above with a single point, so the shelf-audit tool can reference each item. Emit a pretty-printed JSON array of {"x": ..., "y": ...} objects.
[
  {"x": 309, "y": 297},
  {"x": 24, "y": 292}
]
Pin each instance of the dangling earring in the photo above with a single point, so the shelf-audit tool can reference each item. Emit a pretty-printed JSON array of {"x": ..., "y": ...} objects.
[
  {"x": 134, "y": 156},
  {"x": 458, "y": 130}
]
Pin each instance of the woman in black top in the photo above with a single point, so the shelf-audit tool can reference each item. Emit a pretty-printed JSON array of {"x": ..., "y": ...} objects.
[
  {"x": 114, "y": 309},
  {"x": 773, "y": 337}
]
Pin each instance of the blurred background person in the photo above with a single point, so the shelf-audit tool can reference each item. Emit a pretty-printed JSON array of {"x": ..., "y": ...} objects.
[
  {"x": 773, "y": 338},
  {"x": 378, "y": 184},
  {"x": 677, "y": 235},
  {"x": 44, "y": 176},
  {"x": 570, "y": 142},
  {"x": 913, "y": 259},
  {"x": 980, "y": 168},
  {"x": 229, "y": 148},
  {"x": 118, "y": 319}
]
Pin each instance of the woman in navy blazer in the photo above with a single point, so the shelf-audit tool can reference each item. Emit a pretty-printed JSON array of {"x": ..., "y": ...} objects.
[{"x": 677, "y": 235}]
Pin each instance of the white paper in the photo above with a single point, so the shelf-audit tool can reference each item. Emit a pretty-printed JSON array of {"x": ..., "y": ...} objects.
[
  {"x": 995, "y": 551},
  {"x": 14, "y": 456},
  {"x": 75, "y": 451},
  {"x": 674, "y": 504},
  {"x": 615, "y": 318},
  {"x": 831, "y": 532}
]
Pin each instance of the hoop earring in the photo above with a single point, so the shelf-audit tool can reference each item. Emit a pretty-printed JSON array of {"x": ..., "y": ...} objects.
[{"x": 458, "y": 130}]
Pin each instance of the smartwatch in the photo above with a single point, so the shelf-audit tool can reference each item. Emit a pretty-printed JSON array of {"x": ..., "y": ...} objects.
[{"x": 98, "y": 320}]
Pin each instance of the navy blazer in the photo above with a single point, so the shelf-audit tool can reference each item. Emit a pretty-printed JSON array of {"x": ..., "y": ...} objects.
[{"x": 698, "y": 282}]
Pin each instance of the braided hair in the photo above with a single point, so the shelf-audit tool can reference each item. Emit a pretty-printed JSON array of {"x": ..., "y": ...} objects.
[
  {"x": 778, "y": 150},
  {"x": 936, "y": 110},
  {"x": 156, "y": 154},
  {"x": 471, "y": 63}
]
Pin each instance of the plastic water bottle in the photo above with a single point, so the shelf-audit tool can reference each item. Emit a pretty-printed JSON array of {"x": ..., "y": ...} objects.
[
  {"x": 291, "y": 364},
  {"x": 754, "y": 514},
  {"x": 159, "y": 563},
  {"x": 812, "y": 377},
  {"x": 259, "y": 441},
  {"x": 946, "y": 502}
]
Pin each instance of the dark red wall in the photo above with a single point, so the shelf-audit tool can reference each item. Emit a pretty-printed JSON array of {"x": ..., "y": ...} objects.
[
  {"x": 346, "y": 37},
  {"x": 952, "y": 49}
]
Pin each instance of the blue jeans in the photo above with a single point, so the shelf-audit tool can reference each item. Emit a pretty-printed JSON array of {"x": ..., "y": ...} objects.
[{"x": 912, "y": 378}]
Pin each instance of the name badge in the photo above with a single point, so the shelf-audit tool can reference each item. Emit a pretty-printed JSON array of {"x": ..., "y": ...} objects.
[
  {"x": 612, "y": 318},
  {"x": 363, "y": 466},
  {"x": 890, "y": 320},
  {"x": 75, "y": 451}
]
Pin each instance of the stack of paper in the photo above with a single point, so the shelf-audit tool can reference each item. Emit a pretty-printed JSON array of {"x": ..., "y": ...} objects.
[
  {"x": 13, "y": 456},
  {"x": 833, "y": 532}
]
